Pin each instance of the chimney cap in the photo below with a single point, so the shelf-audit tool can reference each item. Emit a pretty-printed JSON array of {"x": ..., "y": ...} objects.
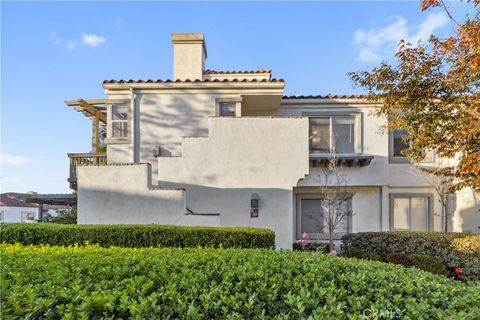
[{"x": 190, "y": 37}]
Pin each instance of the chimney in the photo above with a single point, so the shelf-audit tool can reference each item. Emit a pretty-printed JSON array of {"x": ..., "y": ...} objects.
[{"x": 189, "y": 54}]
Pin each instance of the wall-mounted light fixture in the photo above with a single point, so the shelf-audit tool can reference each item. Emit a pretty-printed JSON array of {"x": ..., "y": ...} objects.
[
  {"x": 157, "y": 152},
  {"x": 254, "y": 200},
  {"x": 254, "y": 204}
]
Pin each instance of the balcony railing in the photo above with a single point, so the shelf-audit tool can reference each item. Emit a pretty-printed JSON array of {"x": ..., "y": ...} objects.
[{"x": 83, "y": 159}]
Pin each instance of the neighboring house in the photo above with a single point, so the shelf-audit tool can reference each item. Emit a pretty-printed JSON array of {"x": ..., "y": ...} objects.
[
  {"x": 228, "y": 148},
  {"x": 42, "y": 206},
  {"x": 15, "y": 210}
]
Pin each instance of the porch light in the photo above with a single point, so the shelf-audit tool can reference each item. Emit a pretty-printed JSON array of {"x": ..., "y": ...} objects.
[
  {"x": 254, "y": 200},
  {"x": 156, "y": 152}
]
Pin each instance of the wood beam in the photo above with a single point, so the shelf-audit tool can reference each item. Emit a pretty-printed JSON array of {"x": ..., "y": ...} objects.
[
  {"x": 85, "y": 106},
  {"x": 97, "y": 101},
  {"x": 95, "y": 135}
]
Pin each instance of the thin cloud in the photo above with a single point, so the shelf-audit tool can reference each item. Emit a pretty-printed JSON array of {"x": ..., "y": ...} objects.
[
  {"x": 118, "y": 21},
  {"x": 379, "y": 43},
  {"x": 14, "y": 159},
  {"x": 93, "y": 39}
]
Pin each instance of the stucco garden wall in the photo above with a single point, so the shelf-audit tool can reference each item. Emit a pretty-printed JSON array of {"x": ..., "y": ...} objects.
[{"x": 123, "y": 194}]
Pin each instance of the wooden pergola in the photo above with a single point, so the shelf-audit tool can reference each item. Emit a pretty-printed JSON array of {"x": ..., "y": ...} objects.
[{"x": 97, "y": 110}]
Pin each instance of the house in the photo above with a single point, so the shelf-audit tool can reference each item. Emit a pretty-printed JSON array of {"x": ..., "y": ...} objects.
[
  {"x": 13, "y": 209},
  {"x": 228, "y": 148},
  {"x": 19, "y": 207}
]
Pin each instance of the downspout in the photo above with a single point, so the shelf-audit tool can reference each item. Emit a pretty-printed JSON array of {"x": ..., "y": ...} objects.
[{"x": 135, "y": 139}]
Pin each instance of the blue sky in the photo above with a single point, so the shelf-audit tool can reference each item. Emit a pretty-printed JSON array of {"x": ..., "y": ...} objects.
[{"x": 55, "y": 51}]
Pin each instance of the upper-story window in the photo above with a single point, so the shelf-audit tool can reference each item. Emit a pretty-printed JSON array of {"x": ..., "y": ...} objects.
[
  {"x": 335, "y": 133},
  {"x": 227, "y": 109},
  {"x": 119, "y": 122},
  {"x": 399, "y": 143}
]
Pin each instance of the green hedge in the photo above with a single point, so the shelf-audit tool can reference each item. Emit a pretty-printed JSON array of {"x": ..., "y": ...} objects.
[
  {"x": 454, "y": 249},
  {"x": 137, "y": 236},
  {"x": 91, "y": 282}
]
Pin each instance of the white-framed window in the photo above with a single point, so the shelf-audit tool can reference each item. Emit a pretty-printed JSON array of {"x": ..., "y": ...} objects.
[
  {"x": 28, "y": 216},
  {"x": 339, "y": 133},
  {"x": 410, "y": 212},
  {"x": 227, "y": 109},
  {"x": 119, "y": 122},
  {"x": 311, "y": 216}
]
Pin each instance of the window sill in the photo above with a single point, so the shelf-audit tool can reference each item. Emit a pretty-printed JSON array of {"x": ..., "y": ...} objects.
[
  {"x": 345, "y": 159},
  {"x": 118, "y": 140}
]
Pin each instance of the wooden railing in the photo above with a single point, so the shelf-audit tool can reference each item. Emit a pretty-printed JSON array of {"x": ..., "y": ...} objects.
[{"x": 83, "y": 159}]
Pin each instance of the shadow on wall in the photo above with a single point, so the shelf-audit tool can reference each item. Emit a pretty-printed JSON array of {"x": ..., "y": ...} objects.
[{"x": 165, "y": 119}]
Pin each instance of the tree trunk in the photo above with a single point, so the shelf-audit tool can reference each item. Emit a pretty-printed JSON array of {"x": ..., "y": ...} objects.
[{"x": 330, "y": 232}]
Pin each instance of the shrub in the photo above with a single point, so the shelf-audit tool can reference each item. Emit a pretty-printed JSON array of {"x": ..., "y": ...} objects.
[
  {"x": 90, "y": 282},
  {"x": 399, "y": 258},
  {"x": 363, "y": 254},
  {"x": 312, "y": 247},
  {"x": 428, "y": 263},
  {"x": 137, "y": 236},
  {"x": 454, "y": 249}
]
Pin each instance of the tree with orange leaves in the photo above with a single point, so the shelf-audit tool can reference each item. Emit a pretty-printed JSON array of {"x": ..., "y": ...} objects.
[{"x": 434, "y": 94}]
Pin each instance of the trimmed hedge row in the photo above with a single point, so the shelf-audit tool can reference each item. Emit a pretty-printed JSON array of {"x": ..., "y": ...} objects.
[
  {"x": 454, "y": 249},
  {"x": 137, "y": 236},
  {"x": 91, "y": 282}
]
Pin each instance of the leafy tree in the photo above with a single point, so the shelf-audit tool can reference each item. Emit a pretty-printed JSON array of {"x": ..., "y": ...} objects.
[
  {"x": 433, "y": 93},
  {"x": 67, "y": 216}
]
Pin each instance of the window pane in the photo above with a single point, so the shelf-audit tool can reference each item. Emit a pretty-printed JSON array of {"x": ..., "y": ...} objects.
[
  {"x": 320, "y": 135},
  {"x": 311, "y": 216},
  {"x": 419, "y": 214},
  {"x": 119, "y": 113},
  {"x": 400, "y": 213},
  {"x": 227, "y": 109},
  {"x": 119, "y": 129},
  {"x": 342, "y": 226},
  {"x": 344, "y": 134},
  {"x": 398, "y": 144}
]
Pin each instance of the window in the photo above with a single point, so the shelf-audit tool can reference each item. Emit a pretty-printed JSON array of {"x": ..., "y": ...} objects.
[
  {"x": 410, "y": 212},
  {"x": 28, "y": 216},
  {"x": 227, "y": 109},
  {"x": 333, "y": 133},
  {"x": 398, "y": 145},
  {"x": 119, "y": 122},
  {"x": 311, "y": 218}
]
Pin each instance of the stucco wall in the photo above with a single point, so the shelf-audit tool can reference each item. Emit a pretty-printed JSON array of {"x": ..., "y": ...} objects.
[
  {"x": 242, "y": 156},
  {"x": 122, "y": 194}
]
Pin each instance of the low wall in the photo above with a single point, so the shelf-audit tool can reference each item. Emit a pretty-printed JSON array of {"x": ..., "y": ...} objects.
[{"x": 123, "y": 194}]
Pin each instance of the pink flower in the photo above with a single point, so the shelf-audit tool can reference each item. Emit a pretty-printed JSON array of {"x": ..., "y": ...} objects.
[
  {"x": 305, "y": 236},
  {"x": 333, "y": 252}
]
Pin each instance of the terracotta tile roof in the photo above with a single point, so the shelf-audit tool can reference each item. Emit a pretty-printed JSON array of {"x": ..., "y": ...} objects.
[
  {"x": 189, "y": 80},
  {"x": 327, "y": 96},
  {"x": 208, "y": 71},
  {"x": 6, "y": 201}
]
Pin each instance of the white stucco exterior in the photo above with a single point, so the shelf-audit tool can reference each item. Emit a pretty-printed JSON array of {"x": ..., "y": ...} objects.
[
  {"x": 18, "y": 214},
  {"x": 209, "y": 166}
]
